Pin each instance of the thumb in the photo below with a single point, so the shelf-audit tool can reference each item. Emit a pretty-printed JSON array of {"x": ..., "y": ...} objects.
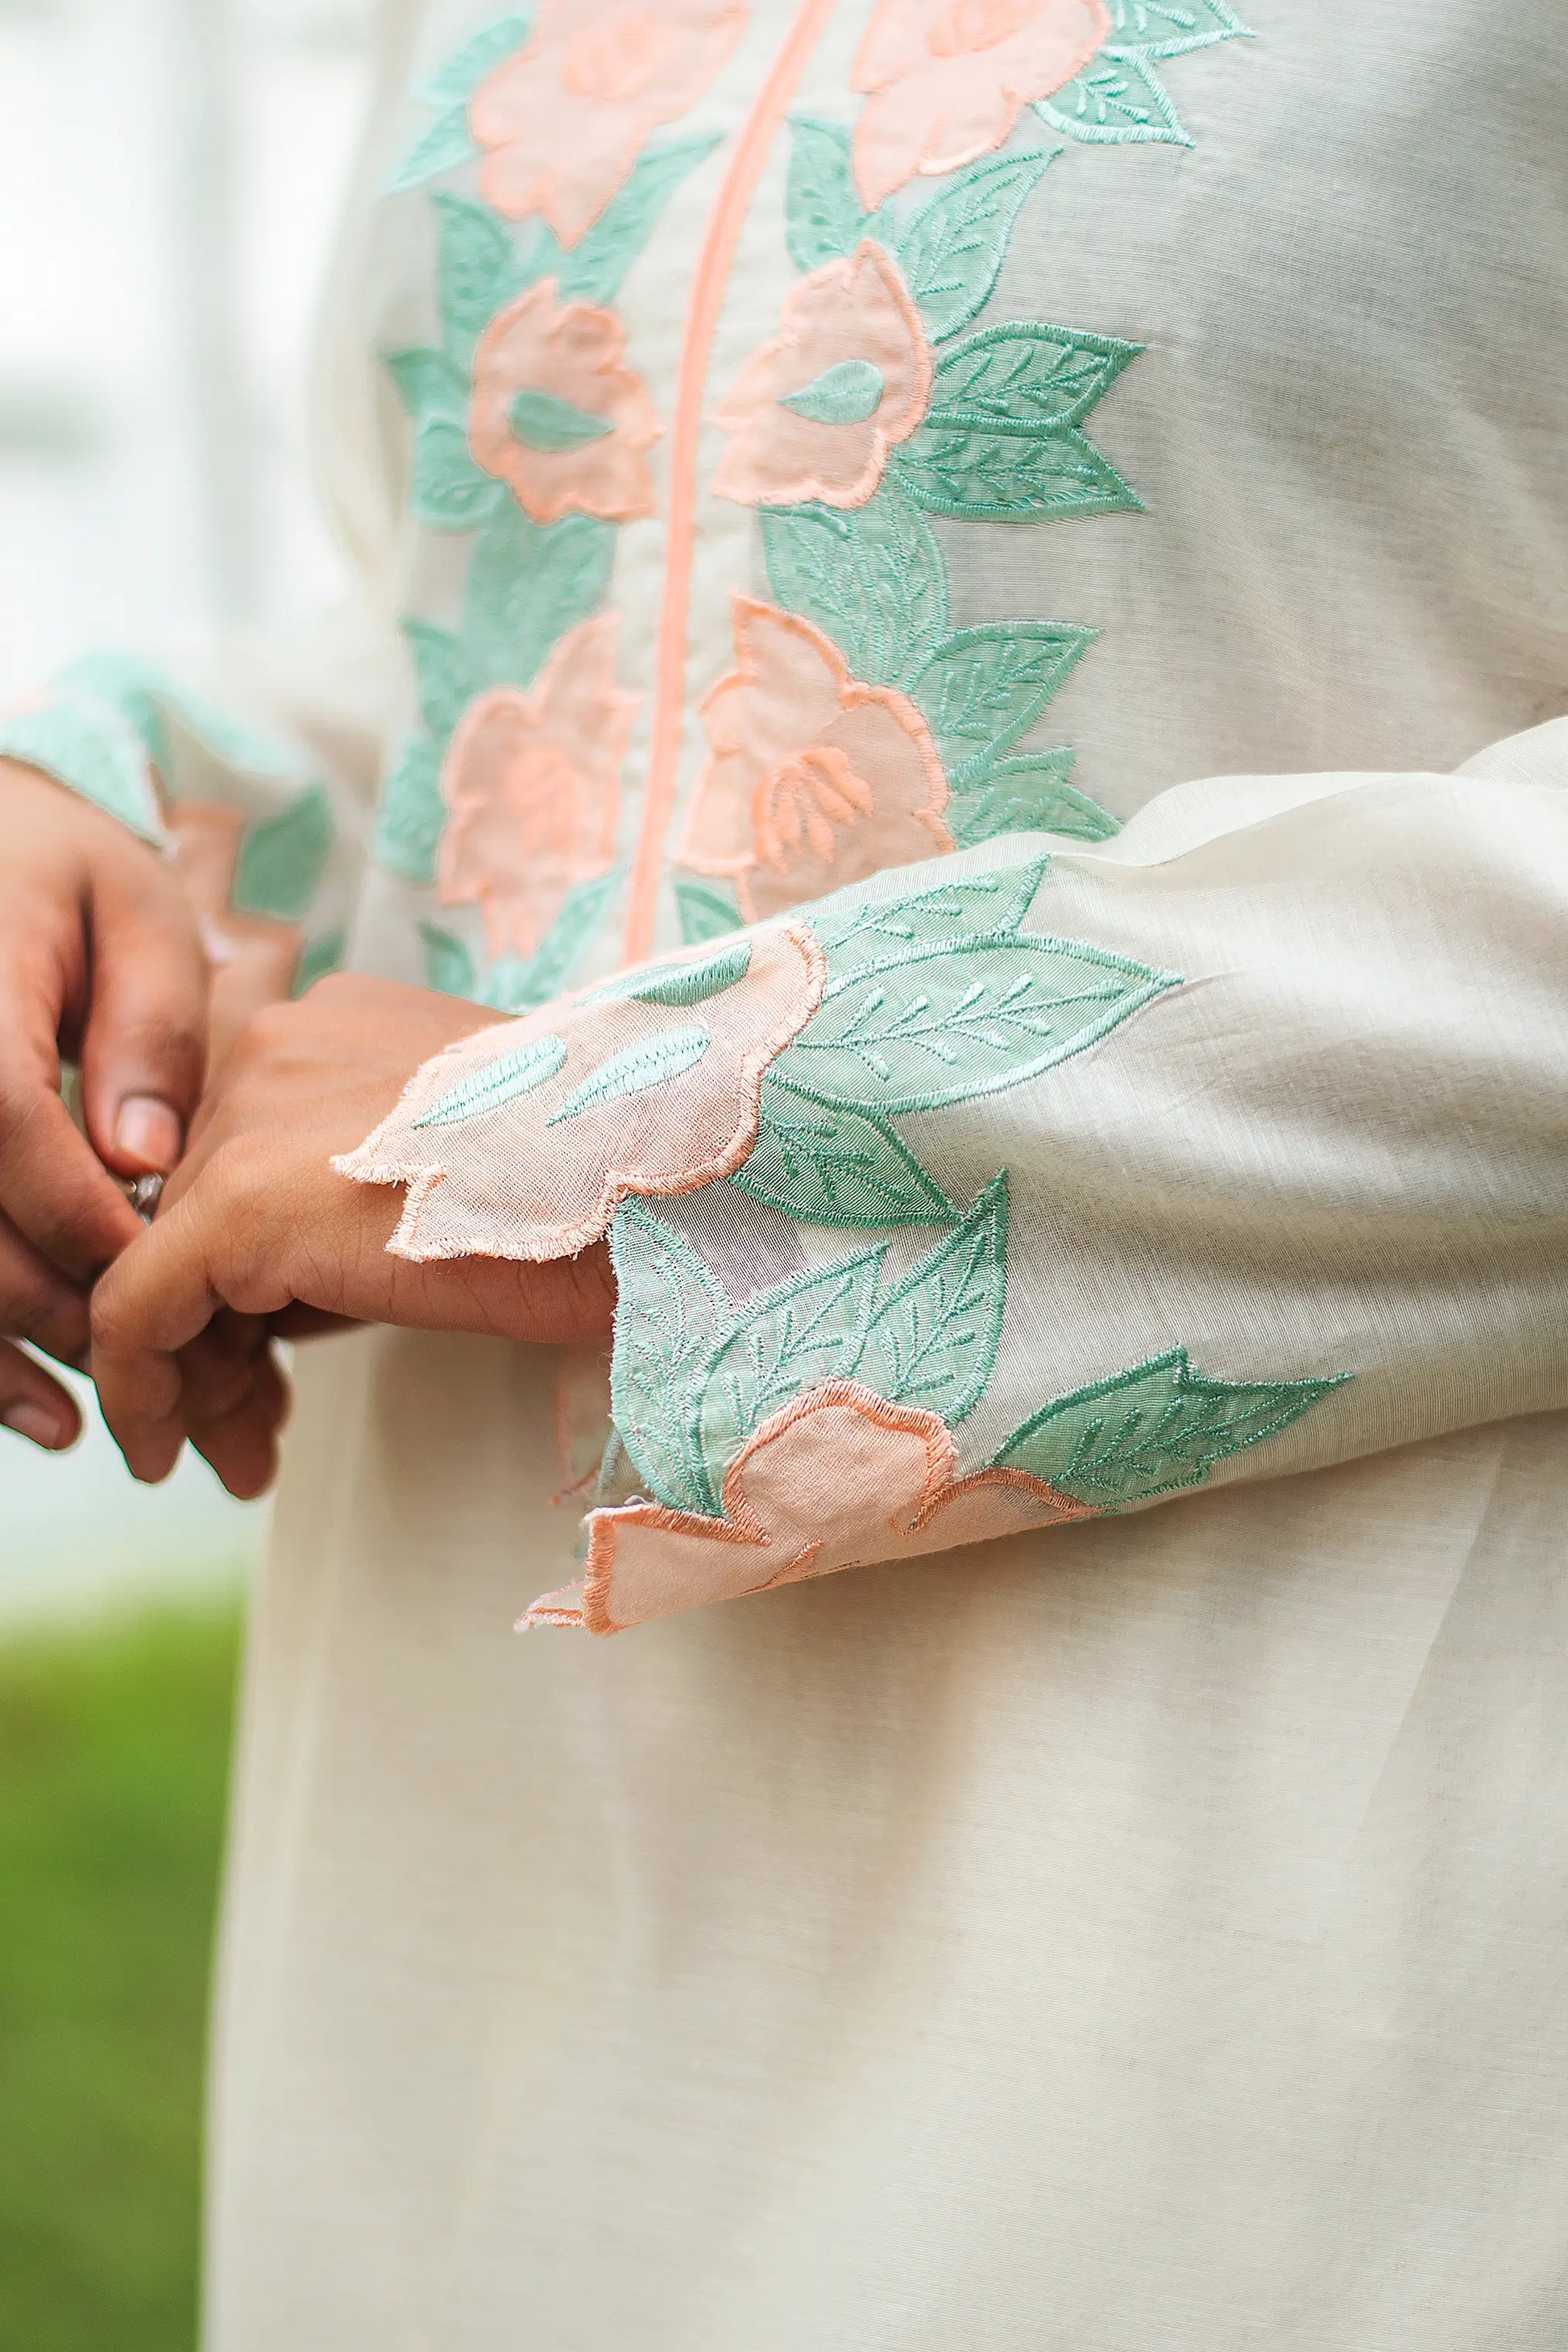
[{"x": 144, "y": 1042}]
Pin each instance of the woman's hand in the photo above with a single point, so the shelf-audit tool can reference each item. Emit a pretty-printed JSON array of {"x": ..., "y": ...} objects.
[
  {"x": 257, "y": 1231},
  {"x": 101, "y": 963}
]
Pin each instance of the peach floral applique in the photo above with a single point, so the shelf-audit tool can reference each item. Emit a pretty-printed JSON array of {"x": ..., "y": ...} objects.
[
  {"x": 816, "y": 408},
  {"x": 533, "y": 784},
  {"x": 837, "y": 1478},
  {"x": 521, "y": 1140},
  {"x": 946, "y": 79},
  {"x": 557, "y": 416},
  {"x": 813, "y": 778},
  {"x": 562, "y": 121}
]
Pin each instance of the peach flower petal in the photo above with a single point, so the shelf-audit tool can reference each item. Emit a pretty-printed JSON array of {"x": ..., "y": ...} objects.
[
  {"x": 564, "y": 117},
  {"x": 813, "y": 778},
  {"x": 571, "y": 353},
  {"x": 946, "y": 79},
  {"x": 540, "y": 1171},
  {"x": 837, "y": 1478},
  {"x": 532, "y": 782},
  {"x": 853, "y": 313}
]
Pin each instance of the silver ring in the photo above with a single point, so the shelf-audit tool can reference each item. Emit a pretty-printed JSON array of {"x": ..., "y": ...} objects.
[{"x": 144, "y": 1194}]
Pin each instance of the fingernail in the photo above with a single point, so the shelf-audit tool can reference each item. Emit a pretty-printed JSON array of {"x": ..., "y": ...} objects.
[
  {"x": 148, "y": 1130},
  {"x": 36, "y": 1421}
]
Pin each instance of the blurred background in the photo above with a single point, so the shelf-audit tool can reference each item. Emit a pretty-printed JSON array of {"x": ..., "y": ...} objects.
[{"x": 170, "y": 173}]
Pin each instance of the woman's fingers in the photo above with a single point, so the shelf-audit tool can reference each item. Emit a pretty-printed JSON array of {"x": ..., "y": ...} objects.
[
  {"x": 154, "y": 1300},
  {"x": 33, "y": 1404}
]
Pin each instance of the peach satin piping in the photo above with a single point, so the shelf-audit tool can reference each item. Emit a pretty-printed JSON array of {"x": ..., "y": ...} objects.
[{"x": 701, "y": 320}]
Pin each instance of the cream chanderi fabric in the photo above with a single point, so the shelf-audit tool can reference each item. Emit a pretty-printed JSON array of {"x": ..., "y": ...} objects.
[{"x": 962, "y": 611}]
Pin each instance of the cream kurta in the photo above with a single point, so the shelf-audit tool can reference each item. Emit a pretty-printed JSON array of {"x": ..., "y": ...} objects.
[{"x": 1141, "y": 1933}]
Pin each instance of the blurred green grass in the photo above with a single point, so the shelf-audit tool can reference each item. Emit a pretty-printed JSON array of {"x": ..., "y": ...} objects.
[{"x": 113, "y": 1764}]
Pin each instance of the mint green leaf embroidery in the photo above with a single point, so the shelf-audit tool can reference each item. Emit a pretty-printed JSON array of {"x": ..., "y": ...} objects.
[
  {"x": 446, "y": 679},
  {"x": 1119, "y": 99},
  {"x": 1028, "y": 794},
  {"x": 412, "y": 813},
  {"x": 704, "y": 912},
  {"x": 983, "y": 688},
  {"x": 1159, "y": 1427},
  {"x": 685, "y": 983},
  {"x": 1167, "y": 28},
  {"x": 317, "y": 958},
  {"x": 449, "y": 488},
  {"x": 1023, "y": 378},
  {"x": 446, "y": 143},
  {"x": 932, "y": 1341},
  {"x": 809, "y": 1329},
  {"x": 952, "y": 250},
  {"x": 844, "y": 393},
  {"x": 476, "y": 271},
  {"x": 822, "y": 210},
  {"x": 517, "y": 1073},
  {"x": 543, "y": 421},
  {"x": 942, "y": 1025},
  {"x": 449, "y": 966},
  {"x": 428, "y": 385},
  {"x": 1049, "y": 475},
  {"x": 673, "y": 1311},
  {"x": 463, "y": 72},
  {"x": 828, "y": 1163},
  {"x": 94, "y": 750},
  {"x": 529, "y": 583},
  {"x": 517, "y": 983},
  {"x": 873, "y": 579},
  {"x": 282, "y": 859},
  {"x": 651, "y": 1062},
  {"x": 856, "y": 932},
  {"x": 593, "y": 270}
]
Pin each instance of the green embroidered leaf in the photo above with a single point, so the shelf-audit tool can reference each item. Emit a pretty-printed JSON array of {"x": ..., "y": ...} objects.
[
  {"x": 463, "y": 72},
  {"x": 1166, "y": 28},
  {"x": 412, "y": 813},
  {"x": 517, "y": 983},
  {"x": 543, "y": 421},
  {"x": 844, "y": 393},
  {"x": 872, "y": 579},
  {"x": 952, "y": 250},
  {"x": 446, "y": 143},
  {"x": 1023, "y": 378},
  {"x": 95, "y": 751},
  {"x": 282, "y": 859},
  {"x": 854, "y": 932},
  {"x": 822, "y": 210},
  {"x": 446, "y": 679},
  {"x": 476, "y": 271},
  {"x": 317, "y": 958},
  {"x": 704, "y": 912},
  {"x": 135, "y": 690},
  {"x": 651, "y": 1062},
  {"x": 932, "y": 1341},
  {"x": 449, "y": 488},
  {"x": 593, "y": 270},
  {"x": 428, "y": 385},
  {"x": 1028, "y": 794},
  {"x": 1159, "y": 1427},
  {"x": 685, "y": 983},
  {"x": 827, "y": 1163},
  {"x": 520, "y": 1072},
  {"x": 808, "y": 1330},
  {"x": 528, "y": 584},
  {"x": 449, "y": 966},
  {"x": 1051, "y": 474},
  {"x": 983, "y": 688},
  {"x": 971, "y": 1016},
  {"x": 1119, "y": 99},
  {"x": 672, "y": 1313}
]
